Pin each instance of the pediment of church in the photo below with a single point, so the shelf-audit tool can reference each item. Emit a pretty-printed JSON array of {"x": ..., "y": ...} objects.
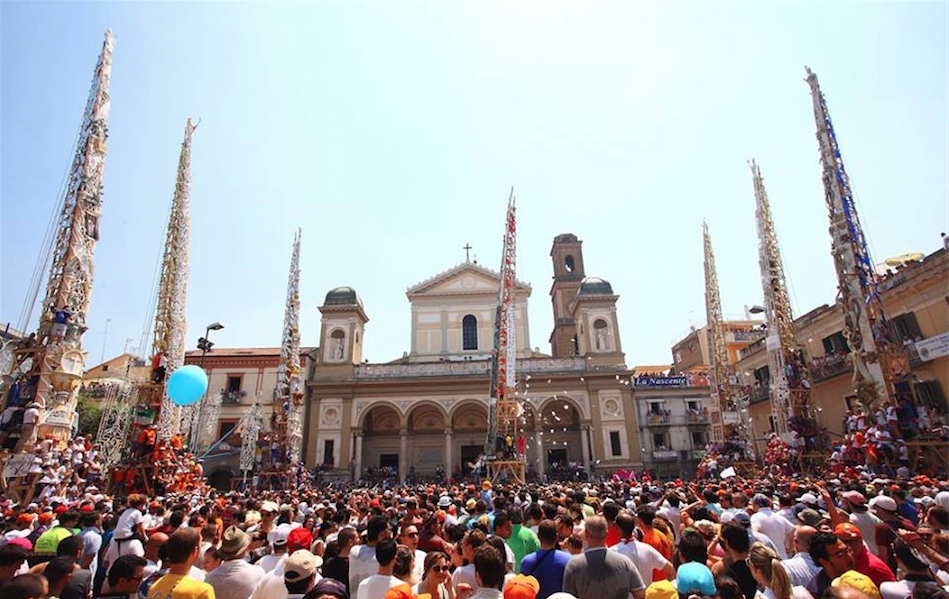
[{"x": 465, "y": 279}]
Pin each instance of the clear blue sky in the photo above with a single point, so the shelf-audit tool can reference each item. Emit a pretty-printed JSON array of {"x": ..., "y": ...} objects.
[{"x": 392, "y": 132}]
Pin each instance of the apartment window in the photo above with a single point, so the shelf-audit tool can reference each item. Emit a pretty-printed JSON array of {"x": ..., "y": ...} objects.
[
  {"x": 694, "y": 405},
  {"x": 659, "y": 441},
  {"x": 698, "y": 439},
  {"x": 904, "y": 327},
  {"x": 615, "y": 447},
  {"x": 328, "y": 447},
  {"x": 234, "y": 383},
  {"x": 835, "y": 343},
  {"x": 105, "y": 368},
  {"x": 930, "y": 395},
  {"x": 656, "y": 407},
  {"x": 771, "y": 424}
]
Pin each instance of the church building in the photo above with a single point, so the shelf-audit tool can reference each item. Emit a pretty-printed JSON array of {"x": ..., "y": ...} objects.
[{"x": 429, "y": 409}]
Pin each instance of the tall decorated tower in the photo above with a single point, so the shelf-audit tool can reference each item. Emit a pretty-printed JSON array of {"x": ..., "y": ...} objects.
[
  {"x": 58, "y": 359},
  {"x": 288, "y": 402},
  {"x": 864, "y": 320},
  {"x": 168, "y": 344},
  {"x": 504, "y": 408},
  {"x": 725, "y": 411},
  {"x": 790, "y": 398}
]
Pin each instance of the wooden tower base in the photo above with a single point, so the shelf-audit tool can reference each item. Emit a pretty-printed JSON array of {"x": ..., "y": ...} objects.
[{"x": 514, "y": 468}]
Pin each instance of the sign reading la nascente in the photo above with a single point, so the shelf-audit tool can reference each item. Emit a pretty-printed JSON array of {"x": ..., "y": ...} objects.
[{"x": 661, "y": 381}]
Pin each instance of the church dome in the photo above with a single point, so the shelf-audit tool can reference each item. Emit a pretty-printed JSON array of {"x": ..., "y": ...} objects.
[
  {"x": 342, "y": 296},
  {"x": 595, "y": 286}
]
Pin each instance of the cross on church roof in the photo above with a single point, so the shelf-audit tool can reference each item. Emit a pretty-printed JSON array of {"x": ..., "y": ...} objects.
[{"x": 467, "y": 249}]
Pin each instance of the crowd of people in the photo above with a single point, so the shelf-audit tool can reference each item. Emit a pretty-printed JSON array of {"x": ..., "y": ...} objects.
[{"x": 859, "y": 535}]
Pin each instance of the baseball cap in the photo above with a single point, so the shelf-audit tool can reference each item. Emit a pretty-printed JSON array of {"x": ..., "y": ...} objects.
[
  {"x": 742, "y": 518},
  {"x": 22, "y": 542},
  {"x": 855, "y": 498},
  {"x": 694, "y": 577},
  {"x": 521, "y": 587},
  {"x": 861, "y": 582},
  {"x": 301, "y": 564},
  {"x": 662, "y": 589},
  {"x": 278, "y": 536},
  {"x": 846, "y": 531},
  {"x": 270, "y": 506},
  {"x": 470, "y": 504},
  {"x": 299, "y": 538},
  {"x": 809, "y": 498},
  {"x": 884, "y": 503}
]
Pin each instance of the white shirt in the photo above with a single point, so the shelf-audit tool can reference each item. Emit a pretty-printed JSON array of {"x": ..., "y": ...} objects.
[
  {"x": 129, "y": 519},
  {"x": 234, "y": 579},
  {"x": 362, "y": 565},
  {"x": 30, "y": 416},
  {"x": 674, "y": 516},
  {"x": 376, "y": 586},
  {"x": 272, "y": 586},
  {"x": 644, "y": 557},
  {"x": 117, "y": 550},
  {"x": 269, "y": 562},
  {"x": 800, "y": 569},
  {"x": 464, "y": 575},
  {"x": 867, "y": 523},
  {"x": 775, "y": 526}
]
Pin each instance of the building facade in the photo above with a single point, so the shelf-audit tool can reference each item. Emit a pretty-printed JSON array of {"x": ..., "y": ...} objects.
[
  {"x": 916, "y": 303},
  {"x": 428, "y": 411}
]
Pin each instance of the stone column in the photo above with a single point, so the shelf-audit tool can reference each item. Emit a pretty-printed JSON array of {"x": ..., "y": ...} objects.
[
  {"x": 585, "y": 446},
  {"x": 403, "y": 454},
  {"x": 358, "y": 456},
  {"x": 539, "y": 446},
  {"x": 449, "y": 467}
]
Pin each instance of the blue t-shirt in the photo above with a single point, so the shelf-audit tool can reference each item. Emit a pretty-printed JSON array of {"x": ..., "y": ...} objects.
[
  {"x": 550, "y": 571},
  {"x": 695, "y": 577}
]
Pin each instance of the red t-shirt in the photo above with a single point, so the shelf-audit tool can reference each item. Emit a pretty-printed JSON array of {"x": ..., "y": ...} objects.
[
  {"x": 660, "y": 543},
  {"x": 873, "y": 567},
  {"x": 613, "y": 535}
]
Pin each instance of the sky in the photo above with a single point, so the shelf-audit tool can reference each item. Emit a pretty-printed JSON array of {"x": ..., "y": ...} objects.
[{"x": 392, "y": 133}]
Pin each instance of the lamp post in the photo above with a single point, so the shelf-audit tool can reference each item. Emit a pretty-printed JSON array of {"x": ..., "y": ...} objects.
[{"x": 205, "y": 345}]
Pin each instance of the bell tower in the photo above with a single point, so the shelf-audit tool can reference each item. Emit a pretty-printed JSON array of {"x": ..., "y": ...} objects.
[{"x": 567, "y": 256}]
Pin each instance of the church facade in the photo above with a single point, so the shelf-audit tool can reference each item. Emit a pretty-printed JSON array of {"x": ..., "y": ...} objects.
[{"x": 428, "y": 411}]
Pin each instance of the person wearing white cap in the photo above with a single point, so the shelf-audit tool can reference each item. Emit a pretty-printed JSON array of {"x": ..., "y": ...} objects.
[
  {"x": 886, "y": 534},
  {"x": 278, "y": 540},
  {"x": 300, "y": 573}
]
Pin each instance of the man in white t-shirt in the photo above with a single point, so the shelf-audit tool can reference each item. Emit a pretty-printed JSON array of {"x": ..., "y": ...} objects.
[
  {"x": 644, "y": 556},
  {"x": 131, "y": 522},
  {"x": 775, "y": 526},
  {"x": 376, "y": 585},
  {"x": 28, "y": 431}
]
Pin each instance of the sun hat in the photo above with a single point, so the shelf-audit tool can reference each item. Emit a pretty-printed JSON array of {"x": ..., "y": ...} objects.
[
  {"x": 270, "y": 506},
  {"x": 662, "y": 589},
  {"x": 470, "y": 504},
  {"x": 521, "y": 587},
  {"x": 234, "y": 542},
  {"x": 809, "y": 498},
  {"x": 444, "y": 501},
  {"x": 809, "y": 517},
  {"x": 301, "y": 564},
  {"x": 861, "y": 582},
  {"x": 252, "y": 517}
]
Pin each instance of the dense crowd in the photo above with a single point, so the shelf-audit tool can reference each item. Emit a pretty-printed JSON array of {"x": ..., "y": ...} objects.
[{"x": 859, "y": 535}]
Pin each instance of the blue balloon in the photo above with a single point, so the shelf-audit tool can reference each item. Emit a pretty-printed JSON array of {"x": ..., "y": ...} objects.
[{"x": 187, "y": 384}]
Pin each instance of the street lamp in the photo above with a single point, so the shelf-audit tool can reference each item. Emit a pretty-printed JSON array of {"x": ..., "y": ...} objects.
[
  {"x": 756, "y": 310},
  {"x": 205, "y": 345}
]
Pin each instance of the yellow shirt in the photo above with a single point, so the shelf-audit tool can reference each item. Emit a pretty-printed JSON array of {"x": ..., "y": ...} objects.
[{"x": 176, "y": 586}]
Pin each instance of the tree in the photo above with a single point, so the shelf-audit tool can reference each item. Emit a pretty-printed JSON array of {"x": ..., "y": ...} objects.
[{"x": 90, "y": 414}]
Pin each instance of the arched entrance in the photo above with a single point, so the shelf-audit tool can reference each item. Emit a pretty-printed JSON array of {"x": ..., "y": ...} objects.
[
  {"x": 381, "y": 428},
  {"x": 559, "y": 429},
  {"x": 426, "y": 426},
  {"x": 469, "y": 427}
]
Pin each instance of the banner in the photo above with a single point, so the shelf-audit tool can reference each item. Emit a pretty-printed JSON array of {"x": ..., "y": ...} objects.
[
  {"x": 934, "y": 347},
  {"x": 661, "y": 381},
  {"x": 17, "y": 465}
]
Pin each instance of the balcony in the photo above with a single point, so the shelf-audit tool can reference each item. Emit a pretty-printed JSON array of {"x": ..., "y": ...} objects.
[
  {"x": 665, "y": 455},
  {"x": 742, "y": 335},
  {"x": 697, "y": 418},
  {"x": 829, "y": 366},
  {"x": 469, "y": 368},
  {"x": 232, "y": 398},
  {"x": 653, "y": 419}
]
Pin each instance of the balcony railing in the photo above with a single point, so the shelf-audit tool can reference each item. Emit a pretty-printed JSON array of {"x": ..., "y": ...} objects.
[
  {"x": 697, "y": 418},
  {"x": 665, "y": 455},
  {"x": 741, "y": 335},
  {"x": 230, "y": 398},
  {"x": 470, "y": 368},
  {"x": 829, "y": 366},
  {"x": 653, "y": 419}
]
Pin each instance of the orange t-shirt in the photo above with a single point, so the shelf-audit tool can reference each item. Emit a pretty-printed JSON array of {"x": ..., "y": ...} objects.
[{"x": 660, "y": 543}]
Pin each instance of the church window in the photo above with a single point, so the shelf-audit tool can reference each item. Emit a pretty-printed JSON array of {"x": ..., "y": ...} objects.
[
  {"x": 469, "y": 332},
  {"x": 328, "y": 456},
  {"x": 616, "y": 447},
  {"x": 569, "y": 264}
]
